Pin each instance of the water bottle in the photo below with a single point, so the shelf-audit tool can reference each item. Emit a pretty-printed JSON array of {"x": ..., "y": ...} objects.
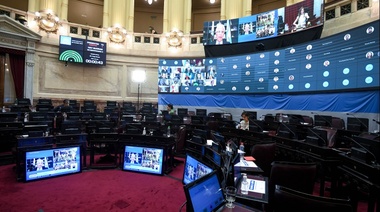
[
  {"x": 168, "y": 132},
  {"x": 3, "y": 109},
  {"x": 144, "y": 131},
  {"x": 241, "y": 148},
  {"x": 244, "y": 184}
]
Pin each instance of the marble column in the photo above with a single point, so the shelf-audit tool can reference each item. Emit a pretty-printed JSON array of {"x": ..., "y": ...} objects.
[
  {"x": 130, "y": 15},
  {"x": 64, "y": 10},
  {"x": 117, "y": 13},
  {"x": 175, "y": 15},
  {"x": 32, "y": 6},
  {"x": 29, "y": 70},
  {"x": 231, "y": 9},
  {"x": 106, "y": 13}
]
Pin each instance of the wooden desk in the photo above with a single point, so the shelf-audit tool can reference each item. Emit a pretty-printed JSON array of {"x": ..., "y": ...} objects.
[
  {"x": 360, "y": 176},
  {"x": 168, "y": 143},
  {"x": 96, "y": 140},
  {"x": 257, "y": 200}
]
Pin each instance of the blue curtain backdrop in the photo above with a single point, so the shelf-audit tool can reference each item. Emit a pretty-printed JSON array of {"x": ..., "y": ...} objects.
[{"x": 364, "y": 102}]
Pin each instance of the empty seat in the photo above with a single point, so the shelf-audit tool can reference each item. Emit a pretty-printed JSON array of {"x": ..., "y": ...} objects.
[
  {"x": 286, "y": 199},
  {"x": 264, "y": 155},
  {"x": 297, "y": 176}
]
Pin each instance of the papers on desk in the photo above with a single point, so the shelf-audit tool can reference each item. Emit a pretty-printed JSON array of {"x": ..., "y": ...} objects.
[
  {"x": 257, "y": 186},
  {"x": 245, "y": 163}
]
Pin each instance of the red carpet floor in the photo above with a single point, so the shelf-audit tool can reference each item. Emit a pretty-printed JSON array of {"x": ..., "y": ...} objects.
[
  {"x": 98, "y": 190},
  {"x": 93, "y": 190}
]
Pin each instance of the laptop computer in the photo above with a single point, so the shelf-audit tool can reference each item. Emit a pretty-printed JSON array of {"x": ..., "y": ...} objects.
[{"x": 206, "y": 194}]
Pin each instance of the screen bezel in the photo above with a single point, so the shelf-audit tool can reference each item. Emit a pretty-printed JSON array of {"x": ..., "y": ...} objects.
[
  {"x": 201, "y": 180},
  {"x": 139, "y": 170},
  {"x": 27, "y": 153},
  {"x": 189, "y": 159}
]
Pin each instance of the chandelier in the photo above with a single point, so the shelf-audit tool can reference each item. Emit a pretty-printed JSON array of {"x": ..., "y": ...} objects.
[{"x": 150, "y": 1}]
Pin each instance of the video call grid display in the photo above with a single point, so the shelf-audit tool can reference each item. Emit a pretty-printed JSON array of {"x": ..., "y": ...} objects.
[
  {"x": 77, "y": 50},
  {"x": 348, "y": 60},
  {"x": 143, "y": 159},
  {"x": 285, "y": 20},
  {"x": 194, "y": 169},
  {"x": 41, "y": 164}
]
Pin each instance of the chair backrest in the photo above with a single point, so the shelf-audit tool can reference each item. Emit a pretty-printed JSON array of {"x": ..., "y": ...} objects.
[
  {"x": 181, "y": 139},
  {"x": 337, "y": 123},
  {"x": 297, "y": 176},
  {"x": 286, "y": 199},
  {"x": 264, "y": 155}
]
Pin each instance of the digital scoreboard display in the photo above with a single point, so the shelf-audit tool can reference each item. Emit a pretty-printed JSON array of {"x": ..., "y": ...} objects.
[
  {"x": 348, "y": 60},
  {"x": 77, "y": 50}
]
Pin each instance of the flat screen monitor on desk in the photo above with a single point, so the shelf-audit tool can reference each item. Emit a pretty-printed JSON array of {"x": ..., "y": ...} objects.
[
  {"x": 38, "y": 116},
  {"x": 286, "y": 130},
  {"x": 44, "y": 102},
  {"x": 8, "y": 117},
  {"x": 323, "y": 121},
  {"x": 47, "y": 163},
  {"x": 182, "y": 112},
  {"x": 219, "y": 140},
  {"x": 370, "y": 148},
  {"x": 205, "y": 194},
  {"x": 71, "y": 127},
  {"x": 201, "y": 112},
  {"x": 317, "y": 137},
  {"x": 252, "y": 114},
  {"x": 143, "y": 159},
  {"x": 357, "y": 124},
  {"x": 256, "y": 126},
  {"x": 198, "y": 120},
  {"x": 195, "y": 168}
]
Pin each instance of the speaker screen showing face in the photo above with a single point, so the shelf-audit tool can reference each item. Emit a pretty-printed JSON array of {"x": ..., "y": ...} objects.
[{"x": 345, "y": 61}]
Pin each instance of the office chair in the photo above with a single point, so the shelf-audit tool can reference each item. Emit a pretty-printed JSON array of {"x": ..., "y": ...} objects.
[
  {"x": 337, "y": 123},
  {"x": 297, "y": 176},
  {"x": 264, "y": 155},
  {"x": 286, "y": 199}
]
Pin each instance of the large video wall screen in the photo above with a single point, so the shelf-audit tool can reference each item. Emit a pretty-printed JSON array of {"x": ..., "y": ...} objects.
[
  {"x": 285, "y": 20},
  {"x": 348, "y": 60}
]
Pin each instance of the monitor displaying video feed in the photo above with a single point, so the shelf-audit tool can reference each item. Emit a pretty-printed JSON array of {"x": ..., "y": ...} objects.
[
  {"x": 143, "y": 159},
  {"x": 297, "y": 17},
  {"x": 47, "y": 163},
  {"x": 194, "y": 169},
  {"x": 306, "y": 67}
]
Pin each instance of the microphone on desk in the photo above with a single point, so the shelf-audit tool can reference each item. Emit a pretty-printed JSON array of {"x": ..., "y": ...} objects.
[
  {"x": 256, "y": 124},
  {"x": 322, "y": 117},
  {"x": 291, "y": 131},
  {"x": 378, "y": 122},
  {"x": 361, "y": 146},
  {"x": 361, "y": 123},
  {"x": 319, "y": 137}
]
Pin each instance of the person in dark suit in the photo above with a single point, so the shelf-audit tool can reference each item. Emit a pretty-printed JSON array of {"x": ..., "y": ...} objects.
[
  {"x": 65, "y": 107},
  {"x": 220, "y": 31}
]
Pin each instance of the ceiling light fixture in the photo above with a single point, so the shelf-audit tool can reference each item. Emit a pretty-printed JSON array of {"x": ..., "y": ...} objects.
[
  {"x": 150, "y": 1},
  {"x": 212, "y": 1}
]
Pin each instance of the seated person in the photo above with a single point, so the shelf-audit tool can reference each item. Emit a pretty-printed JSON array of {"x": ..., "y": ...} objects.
[
  {"x": 170, "y": 109},
  {"x": 244, "y": 124},
  {"x": 65, "y": 107},
  {"x": 302, "y": 19}
]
